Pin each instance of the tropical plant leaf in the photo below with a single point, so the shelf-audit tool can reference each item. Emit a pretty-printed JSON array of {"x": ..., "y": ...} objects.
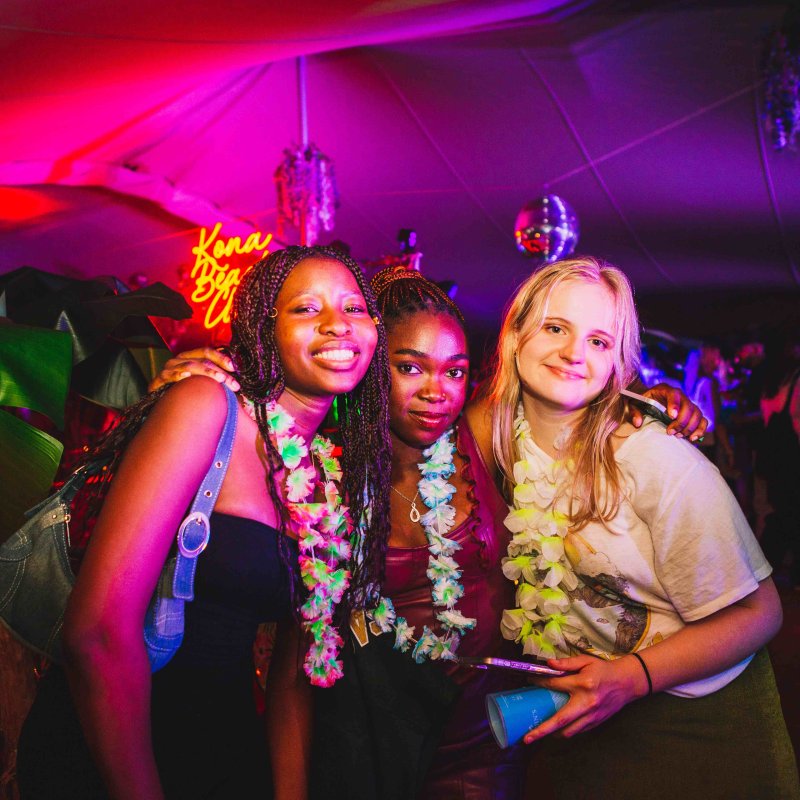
[
  {"x": 29, "y": 459},
  {"x": 92, "y": 311},
  {"x": 150, "y": 360},
  {"x": 110, "y": 377},
  {"x": 35, "y": 367}
]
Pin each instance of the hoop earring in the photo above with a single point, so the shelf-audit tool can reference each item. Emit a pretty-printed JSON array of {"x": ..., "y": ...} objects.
[{"x": 272, "y": 313}]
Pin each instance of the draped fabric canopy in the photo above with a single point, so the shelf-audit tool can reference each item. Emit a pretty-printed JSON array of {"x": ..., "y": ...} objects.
[{"x": 127, "y": 126}]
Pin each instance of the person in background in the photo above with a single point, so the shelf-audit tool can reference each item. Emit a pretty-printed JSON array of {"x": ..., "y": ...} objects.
[
  {"x": 703, "y": 387},
  {"x": 395, "y": 728},
  {"x": 746, "y": 424},
  {"x": 779, "y": 455},
  {"x": 636, "y": 571},
  {"x": 304, "y": 330}
]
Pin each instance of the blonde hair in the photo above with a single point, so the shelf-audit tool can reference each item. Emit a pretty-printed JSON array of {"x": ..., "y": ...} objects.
[{"x": 596, "y": 485}]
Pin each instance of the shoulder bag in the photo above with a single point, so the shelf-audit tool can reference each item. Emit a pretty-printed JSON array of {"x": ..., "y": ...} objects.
[{"x": 36, "y": 578}]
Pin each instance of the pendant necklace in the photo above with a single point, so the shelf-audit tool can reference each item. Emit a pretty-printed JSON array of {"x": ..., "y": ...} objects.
[
  {"x": 414, "y": 514},
  {"x": 443, "y": 570}
]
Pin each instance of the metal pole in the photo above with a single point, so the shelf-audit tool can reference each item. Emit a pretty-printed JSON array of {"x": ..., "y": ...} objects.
[
  {"x": 303, "y": 116},
  {"x": 301, "y": 99}
]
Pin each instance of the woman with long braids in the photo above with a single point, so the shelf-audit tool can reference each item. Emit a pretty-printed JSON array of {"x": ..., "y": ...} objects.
[
  {"x": 305, "y": 329},
  {"x": 405, "y": 721}
]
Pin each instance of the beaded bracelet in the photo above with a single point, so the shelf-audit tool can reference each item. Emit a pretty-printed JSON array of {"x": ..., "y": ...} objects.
[{"x": 646, "y": 672}]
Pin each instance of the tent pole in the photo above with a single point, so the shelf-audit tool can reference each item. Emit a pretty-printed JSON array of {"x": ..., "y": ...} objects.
[{"x": 303, "y": 118}]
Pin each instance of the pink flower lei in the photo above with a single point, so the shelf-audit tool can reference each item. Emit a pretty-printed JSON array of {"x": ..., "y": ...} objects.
[{"x": 324, "y": 530}]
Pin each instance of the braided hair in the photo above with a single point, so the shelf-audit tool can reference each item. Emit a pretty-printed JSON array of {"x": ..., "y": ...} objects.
[
  {"x": 363, "y": 412},
  {"x": 401, "y": 291},
  {"x": 363, "y": 415}
]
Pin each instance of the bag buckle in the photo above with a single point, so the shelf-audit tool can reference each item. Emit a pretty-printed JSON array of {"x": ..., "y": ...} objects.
[{"x": 199, "y": 518}]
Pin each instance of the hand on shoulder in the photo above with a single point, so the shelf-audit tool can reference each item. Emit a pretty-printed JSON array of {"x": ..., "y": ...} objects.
[{"x": 201, "y": 361}]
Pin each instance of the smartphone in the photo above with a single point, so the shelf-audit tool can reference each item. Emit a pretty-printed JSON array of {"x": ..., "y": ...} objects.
[
  {"x": 649, "y": 406},
  {"x": 530, "y": 667}
]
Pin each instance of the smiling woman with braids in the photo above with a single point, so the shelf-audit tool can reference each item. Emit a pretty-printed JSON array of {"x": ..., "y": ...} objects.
[
  {"x": 405, "y": 721},
  {"x": 304, "y": 331}
]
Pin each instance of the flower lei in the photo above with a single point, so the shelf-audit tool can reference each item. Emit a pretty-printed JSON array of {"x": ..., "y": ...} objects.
[
  {"x": 324, "y": 530},
  {"x": 537, "y": 561},
  {"x": 443, "y": 570}
]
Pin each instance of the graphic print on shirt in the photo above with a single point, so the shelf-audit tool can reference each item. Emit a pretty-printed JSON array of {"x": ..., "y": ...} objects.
[{"x": 619, "y": 624}]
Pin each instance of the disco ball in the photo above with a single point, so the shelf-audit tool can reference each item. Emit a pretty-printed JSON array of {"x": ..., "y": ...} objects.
[{"x": 546, "y": 229}]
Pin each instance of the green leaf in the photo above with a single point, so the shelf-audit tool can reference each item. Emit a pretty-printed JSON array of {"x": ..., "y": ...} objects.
[
  {"x": 150, "y": 360},
  {"x": 35, "y": 367},
  {"x": 29, "y": 459}
]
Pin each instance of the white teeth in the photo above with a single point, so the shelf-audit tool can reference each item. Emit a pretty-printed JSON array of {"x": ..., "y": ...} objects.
[{"x": 336, "y": 355}]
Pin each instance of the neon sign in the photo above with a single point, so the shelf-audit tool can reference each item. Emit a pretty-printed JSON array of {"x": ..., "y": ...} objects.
[{"x": 216, "y": 282}]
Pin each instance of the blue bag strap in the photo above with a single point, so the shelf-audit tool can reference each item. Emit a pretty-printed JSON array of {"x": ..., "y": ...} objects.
[{"x": 195, "y": 530}]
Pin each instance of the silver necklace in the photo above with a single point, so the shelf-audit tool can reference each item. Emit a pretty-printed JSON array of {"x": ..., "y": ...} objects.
[{"x": 414, "y": 514}]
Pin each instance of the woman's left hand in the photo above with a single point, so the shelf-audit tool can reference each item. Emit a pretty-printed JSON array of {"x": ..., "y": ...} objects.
[
  {"x": 597, "y": 690},
  {"x": 687, "y": 418}
]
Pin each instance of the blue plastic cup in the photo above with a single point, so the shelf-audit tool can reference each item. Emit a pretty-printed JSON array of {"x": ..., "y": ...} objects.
[{"x": 512, "y": 714}]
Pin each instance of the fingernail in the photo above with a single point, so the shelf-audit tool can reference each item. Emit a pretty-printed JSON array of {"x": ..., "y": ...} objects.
[
  {"x": 673, "y": 412},
  {"x": 693, "y": 438},
  {"x": 670, "y": 432},
  {"x": 679, "y": 435},
  {"x": 219, "y": 378},
  {"x": 186, "y": 375}
]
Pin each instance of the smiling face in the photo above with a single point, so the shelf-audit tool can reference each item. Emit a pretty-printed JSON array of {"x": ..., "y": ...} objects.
[
  {"x": 565, "y": 364},
  {"x": 324, "y": 333},
  {"x": 429, "y": 366}
]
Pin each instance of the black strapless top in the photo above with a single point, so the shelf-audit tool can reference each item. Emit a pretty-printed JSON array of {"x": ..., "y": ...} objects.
[
  {"x": 240, "y": 582},
  {"x": 207, "y": 737},
  {"x": 202, "y": 701}
]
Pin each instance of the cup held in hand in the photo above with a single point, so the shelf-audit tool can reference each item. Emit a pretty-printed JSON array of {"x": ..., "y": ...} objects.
[{"x": 512, "y": 714}]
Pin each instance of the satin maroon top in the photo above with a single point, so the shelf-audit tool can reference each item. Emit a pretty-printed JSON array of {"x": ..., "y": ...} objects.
[{"x": 483, "y": 539}]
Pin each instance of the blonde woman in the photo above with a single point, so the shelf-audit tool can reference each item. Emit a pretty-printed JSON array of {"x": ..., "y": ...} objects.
[{"x": 636, "y": 570}]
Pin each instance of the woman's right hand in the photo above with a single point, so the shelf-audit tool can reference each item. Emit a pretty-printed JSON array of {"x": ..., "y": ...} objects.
[{"x": 200, "y": 361}]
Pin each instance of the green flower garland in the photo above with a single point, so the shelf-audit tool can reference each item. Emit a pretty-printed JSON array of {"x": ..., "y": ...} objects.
[{"x": 324, "y": 538}]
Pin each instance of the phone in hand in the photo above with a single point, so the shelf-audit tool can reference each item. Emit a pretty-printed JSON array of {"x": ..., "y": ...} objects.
[
  {"x": 648, "y": 406},
  {"x": 529, "y": 667}
]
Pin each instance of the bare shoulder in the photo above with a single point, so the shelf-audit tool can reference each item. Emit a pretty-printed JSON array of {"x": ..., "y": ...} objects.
[
  {"x": 197, "y": 398},
  {"x": 479, "y": 418},
  {"x": 188, "y": 418}
]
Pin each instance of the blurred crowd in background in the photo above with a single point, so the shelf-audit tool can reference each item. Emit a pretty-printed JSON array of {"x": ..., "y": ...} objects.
[{"x": 746, "y": 387}]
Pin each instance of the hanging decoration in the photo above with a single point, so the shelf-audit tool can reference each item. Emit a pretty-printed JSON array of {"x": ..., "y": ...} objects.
[
  {"x": 782, "y": 83},
  {"x": 305, "y": 180},
  {"x": 307, "y": 196},
  {"x": 546, "y": 229}
]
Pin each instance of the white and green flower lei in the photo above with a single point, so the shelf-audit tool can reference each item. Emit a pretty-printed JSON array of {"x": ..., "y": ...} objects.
[
  {"x": 324, "y": 538},
  {"x": 443, "y": 569},
  {"x": 537, "y": 561}
]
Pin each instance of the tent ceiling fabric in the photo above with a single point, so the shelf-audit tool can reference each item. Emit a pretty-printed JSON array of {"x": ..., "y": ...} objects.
[{"x": 126, "y": 126}]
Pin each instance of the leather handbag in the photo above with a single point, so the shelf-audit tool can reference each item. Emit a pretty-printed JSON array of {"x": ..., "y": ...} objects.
[{"x": 36, "y": 578}]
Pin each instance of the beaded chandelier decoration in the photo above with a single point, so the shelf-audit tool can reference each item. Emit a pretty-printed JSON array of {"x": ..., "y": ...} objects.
[{"x": 305, "y": 180}]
